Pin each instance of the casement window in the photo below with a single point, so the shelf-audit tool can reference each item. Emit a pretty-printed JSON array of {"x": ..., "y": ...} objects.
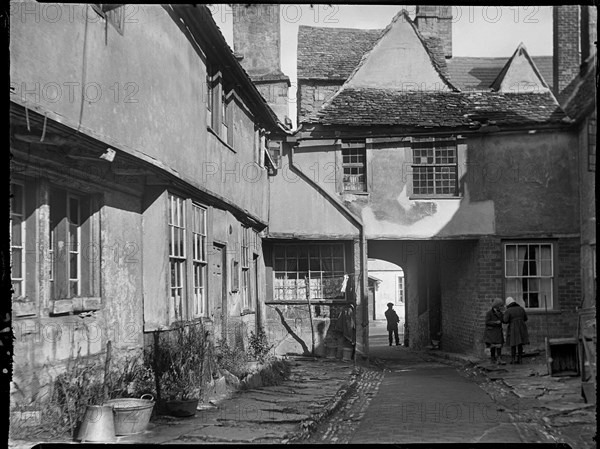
[
  {"x": 434, "y": 166},
  {"x": 177, "y": 255},
  {"x": 354, "y": 166},
  {"x": 227, "y": 119},
  {"x": 17, "y": 239},
  {"x": 199, "y": 242},
  {"x": 187, "y": 228},
  {"x": 210, "y": 101},
  {"x": 73, "y": 259},
  {"x": 245, "y": 279},
  {"x": 529, "y": 273},
  {"x": 113, "y": 14},
  {"x": 320, "y": 267},
  {"x": 400, "y": 289}
]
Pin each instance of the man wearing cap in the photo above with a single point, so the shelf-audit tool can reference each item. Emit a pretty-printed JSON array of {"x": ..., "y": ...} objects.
[{"x": 392, "y": 323}]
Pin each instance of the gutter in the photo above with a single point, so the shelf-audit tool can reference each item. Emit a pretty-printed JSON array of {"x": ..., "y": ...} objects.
[{"x": 363, "y": 245}]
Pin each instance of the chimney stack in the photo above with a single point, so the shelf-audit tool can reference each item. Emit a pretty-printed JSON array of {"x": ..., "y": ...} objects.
[
  {"x": 257, "y": 44},
  {"x": 566, "y": 44},
  {"x": 436, "y": 21}
]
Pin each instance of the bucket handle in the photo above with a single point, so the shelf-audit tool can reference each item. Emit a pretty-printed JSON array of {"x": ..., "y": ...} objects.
[{"x": 149, "y": 395}]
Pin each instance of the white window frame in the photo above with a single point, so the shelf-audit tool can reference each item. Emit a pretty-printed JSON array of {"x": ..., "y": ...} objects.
[
  {"x": 545, "y": 273},
  {"x": 352, "y": 152},
  {"x": 295, "y": 290},
  {"x": 199, "y": 244},
  {"x": 245, "y": 265},
  {"x": 434, "y": 164},
  {"x": 21, "y": 280},
  {"x": 74, "y": 249},
  {"x": 400, "y": 290},
  {"x": 177, "y": 254}
]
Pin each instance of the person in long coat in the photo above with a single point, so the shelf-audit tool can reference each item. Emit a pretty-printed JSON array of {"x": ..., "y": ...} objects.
[
  {"x": 493, "y": 336},
  {"x": 392, "y": 323},
  {"x": 516, "y": 333}
]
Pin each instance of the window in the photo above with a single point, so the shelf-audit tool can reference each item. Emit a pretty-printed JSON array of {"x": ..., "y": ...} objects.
[
  {"x": 529, "y": 273},
  {"x": 70, "y": 238},
  {"x": 322, "y": 266},
  {"x": 210, "y": 88},
  {"x": 434, "y": 166},
  {"x": 245, "y": 286},
  {"x": 17, "y": 239},
  {"x": 592, "y": 143},
  {"x": 177, "y": 255},
  {"x": 400, "y": 289},
  {"x": 354, "y": 166},
  {"x": 226, "y": 120},
  {"x": 199, "y": 259}
]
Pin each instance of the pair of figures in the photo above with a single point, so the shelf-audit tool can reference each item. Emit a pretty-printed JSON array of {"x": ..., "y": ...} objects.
[{"x": 516, "y": 333}]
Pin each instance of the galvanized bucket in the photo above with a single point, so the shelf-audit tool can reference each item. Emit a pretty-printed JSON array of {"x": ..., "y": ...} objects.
[
  {"x": 97, "y": 425},
  {"x": 131, "y": 415}
]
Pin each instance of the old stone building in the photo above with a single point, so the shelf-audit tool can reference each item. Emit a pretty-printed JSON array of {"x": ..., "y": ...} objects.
[
  {"x": 459, "y": 170},
  {"x": 139, "y": 182}
]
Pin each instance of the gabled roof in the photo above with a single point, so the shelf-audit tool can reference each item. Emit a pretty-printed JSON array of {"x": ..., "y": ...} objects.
[
  {"x": 402, "y": 58},
  {"x": 333, "y": 53},
  {"x": 519, "y": 74},
  {"x": 426, "y": 110}
]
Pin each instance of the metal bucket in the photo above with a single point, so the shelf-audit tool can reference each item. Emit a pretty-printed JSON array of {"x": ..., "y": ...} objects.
[
  {"x": 98, "y": 425},
  {"x": 131, "y": 416}
]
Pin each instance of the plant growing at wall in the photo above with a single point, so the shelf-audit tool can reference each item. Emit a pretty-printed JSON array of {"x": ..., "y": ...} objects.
[
  {"x": 259, "y": 346},
  {"x": 231, "y": 358},
  {"x": 179, "y": 360}
]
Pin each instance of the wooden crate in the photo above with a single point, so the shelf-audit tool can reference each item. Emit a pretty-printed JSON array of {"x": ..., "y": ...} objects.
[{"x": 561, "y": 357}]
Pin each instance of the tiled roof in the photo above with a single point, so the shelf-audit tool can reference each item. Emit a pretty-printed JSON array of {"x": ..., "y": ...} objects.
[
  {"x": 366, "y": 107},
  {"x": 478, "y": 73},
  {"x": 579, "y": 98},
  {"x": 333, "y": 53}
]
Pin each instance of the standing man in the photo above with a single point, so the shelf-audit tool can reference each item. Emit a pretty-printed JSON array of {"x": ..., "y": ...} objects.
[{"x": 392, "y": 323}]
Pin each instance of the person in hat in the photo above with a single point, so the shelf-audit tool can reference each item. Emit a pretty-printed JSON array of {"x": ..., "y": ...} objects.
[
  {"x": 392, "y": 323},
  {"x": 516, "y": 333},
  {"x": 493, "y": 336}
]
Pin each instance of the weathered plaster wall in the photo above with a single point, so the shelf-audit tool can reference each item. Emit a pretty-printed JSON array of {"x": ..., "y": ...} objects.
[
  {"x": 129, "y": 84},
  {"x": 296, "y": 207}
]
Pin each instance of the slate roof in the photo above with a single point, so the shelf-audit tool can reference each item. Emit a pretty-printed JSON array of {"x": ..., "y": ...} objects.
[
  {"x": 333, "y": 53},
  {"x": 579, "y": 98},
  {"x": 369, "y": 106}
]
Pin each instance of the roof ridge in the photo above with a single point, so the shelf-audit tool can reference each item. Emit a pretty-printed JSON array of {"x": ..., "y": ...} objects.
[{"x": 340, "y": 28}]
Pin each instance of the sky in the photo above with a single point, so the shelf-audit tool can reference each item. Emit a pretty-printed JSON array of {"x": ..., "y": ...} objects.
[{"x": 476, "y": 30}]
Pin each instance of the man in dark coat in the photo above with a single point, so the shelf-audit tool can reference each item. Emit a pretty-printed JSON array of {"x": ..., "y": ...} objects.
[
  {"x": 392, "y": 323},
  {"x": 516, "y": 334},
  {"x": 493, "y": 336}
]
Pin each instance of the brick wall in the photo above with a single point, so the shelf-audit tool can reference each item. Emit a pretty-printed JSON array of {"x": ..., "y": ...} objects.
[
  {"x": 566, "y": 45},
  {"x": 471, "y": 281},
  {"x": 460, "y": 301}
]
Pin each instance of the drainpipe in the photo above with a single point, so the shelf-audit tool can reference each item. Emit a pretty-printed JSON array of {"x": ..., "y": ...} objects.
[{"x": 363, "y": 248}]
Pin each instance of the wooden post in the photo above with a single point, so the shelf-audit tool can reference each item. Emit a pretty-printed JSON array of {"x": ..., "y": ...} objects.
[
  {"x": 107, "y": 369},
  {"x": 312, "y": 332}
]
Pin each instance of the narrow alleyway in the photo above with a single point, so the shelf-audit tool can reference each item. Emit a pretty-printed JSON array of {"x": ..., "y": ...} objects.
[{"x": 416, "y": 398}]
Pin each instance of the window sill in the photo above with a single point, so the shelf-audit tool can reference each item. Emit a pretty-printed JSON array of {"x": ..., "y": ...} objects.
[
  {"x": 23, "y": 307},
  {"x": 355, "y": 192},
  {"x": 214, "y": 133},
  {"x": 542, "y": 312},
  {"x": 247, "y": 312},
  {"x": 75, "y": 305},
  {"x": 435, "y": 197},
  {"x": 313, "y": 302}
]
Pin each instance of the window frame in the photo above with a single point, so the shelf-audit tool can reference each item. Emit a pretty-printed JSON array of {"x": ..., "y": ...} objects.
[
  {"x": 22, "y": 247},
  {"x": 421, "y": 142},
  {"x": 199, "y": 262},
  {"x": 279, "y": 294},
  {"x": 176, "y": 219},
  {"x": 245, "y": 267},
  {"x": 400, "y": 289},
  {"x": 508, "y": 291},
  {"x": 354, "y": 146}
]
